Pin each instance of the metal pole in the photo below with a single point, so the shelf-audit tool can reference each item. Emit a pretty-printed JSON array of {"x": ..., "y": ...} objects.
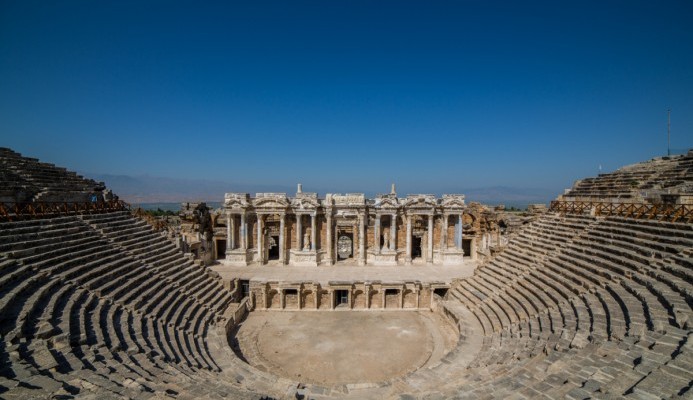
[{"x": 669, "y": 132}]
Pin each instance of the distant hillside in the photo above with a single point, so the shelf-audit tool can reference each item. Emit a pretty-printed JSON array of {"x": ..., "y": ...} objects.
[
  {"x": 150, "y": 189},
  {"x": 510, "y": 196}
]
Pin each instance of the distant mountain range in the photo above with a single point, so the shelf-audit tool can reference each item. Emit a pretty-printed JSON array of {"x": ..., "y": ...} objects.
[
  {"x": 510, "y": 195},
  {"x": 150, "y": 189}
]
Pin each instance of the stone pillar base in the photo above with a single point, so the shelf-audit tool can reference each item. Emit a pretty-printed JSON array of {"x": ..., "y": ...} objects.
[
  {"x": 453, "y": 257},
  {"x": 237, "y": 257},
  {"x": 386, "y": 257},
  {"x": 303, "y": 258}
]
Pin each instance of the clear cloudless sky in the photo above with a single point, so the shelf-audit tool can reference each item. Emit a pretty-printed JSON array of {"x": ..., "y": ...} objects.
[{"x": 347, "y": 95}]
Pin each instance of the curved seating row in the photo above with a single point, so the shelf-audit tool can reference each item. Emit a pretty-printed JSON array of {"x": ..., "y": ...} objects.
[
  {"x": 102, "y": 304},
  {"x": 609, "y": 296},
  {"x": 575, "y": 307}
]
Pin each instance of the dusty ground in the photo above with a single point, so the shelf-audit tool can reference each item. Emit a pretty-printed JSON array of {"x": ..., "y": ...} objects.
[{"x": 340, "y": 347}]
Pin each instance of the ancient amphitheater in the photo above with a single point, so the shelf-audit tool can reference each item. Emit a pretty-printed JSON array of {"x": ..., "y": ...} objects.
[{"x": 591, "y": 299}]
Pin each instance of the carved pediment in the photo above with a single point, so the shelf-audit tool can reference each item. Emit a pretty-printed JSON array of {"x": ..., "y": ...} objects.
[
  {"x": 420, "y": 201},
  {"x": 236, "y": 200},
  {"x": 453, "y": 201},
  {"x": 386, "y": 202},
  {"x": 305, "y": 203}
]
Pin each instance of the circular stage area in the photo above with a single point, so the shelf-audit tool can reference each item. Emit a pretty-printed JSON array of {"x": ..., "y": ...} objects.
[{"x": 341, "y": 347}]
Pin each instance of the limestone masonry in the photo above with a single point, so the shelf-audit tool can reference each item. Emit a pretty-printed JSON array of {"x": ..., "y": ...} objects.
[
  {"x": 307, "y": 231},
  {"x": 588, "y": 298}
]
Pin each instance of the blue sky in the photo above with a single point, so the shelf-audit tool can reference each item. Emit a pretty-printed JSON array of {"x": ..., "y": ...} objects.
[{"x": 347, "y": 95}]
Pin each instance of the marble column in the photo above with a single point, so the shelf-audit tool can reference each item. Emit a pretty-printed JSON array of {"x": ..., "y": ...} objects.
[
  {"x": 258, "y": 245},
  {"x": 430, "y": 238},
  {"x": 393, "y": 232},
  {"x": 228, "y": 232},
  {"x": 282, "y": 250},
  {"x": 362, "y": 239},
  {"x": 313, "y": 233},
  {"x": 409, "y": 217},
  {"x": 329, "y": 237},
  {"x": 233, "y": 232},
  {"x": 367, "y": 293},
  {"x": 243, "y": 233},
  {"x": 444, "y": 234},
  {"x": 376, "y": 234},
  {"x": 459, "y": 232},
  {"x": 299, "y": 231}
]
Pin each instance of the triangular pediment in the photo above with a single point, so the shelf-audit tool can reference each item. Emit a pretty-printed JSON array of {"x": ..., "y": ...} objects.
[
  {"x": 236, "y": 200},
  {"x": 420, "y": 201},
  {"x": 386, "y": 202},
  {"x": 305, "y": 203},
  {"x": 453, "y": 201}
]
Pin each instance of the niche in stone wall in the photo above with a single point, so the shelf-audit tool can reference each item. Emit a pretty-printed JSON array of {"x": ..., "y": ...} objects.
[
  {"x": 391, "y": 298},
  {"x": 376, "y": 299},
  {"x": 291, "y": 299},
  {"x": 359, "y": 299},
  {"x": 273, "y": 299},
  {"x": 325, "y": 303},
  {"x": 409, "y": 298},
  {"x": 308, "y": 299}
]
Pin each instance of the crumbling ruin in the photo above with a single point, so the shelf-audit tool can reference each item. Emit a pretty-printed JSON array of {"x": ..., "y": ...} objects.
[{"x": 590, "y": 299}]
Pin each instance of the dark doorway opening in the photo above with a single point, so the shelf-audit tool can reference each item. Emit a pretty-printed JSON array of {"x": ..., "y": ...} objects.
[
  {"x": 273, "y": 253},
  {"x": 245, "y": 288},
  {"x": 467, "y": 246},
  {"x": 341, "y": 297},
  {"x": 441, "y": 291},
  {"x": 221, "y": 249},
  {"x": 392, "y": 298},
  {"x": 416, "y": 247}
]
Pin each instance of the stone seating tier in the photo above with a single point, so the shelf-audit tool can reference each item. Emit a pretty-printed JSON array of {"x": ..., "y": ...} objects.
[
  {"x": 27, "y": 179},
  {"x": 67, "y": 327},
  {"x": 629, "y": 182},
  {"x": 575, "y": 306},
  {"x": 598, "y": 290}
]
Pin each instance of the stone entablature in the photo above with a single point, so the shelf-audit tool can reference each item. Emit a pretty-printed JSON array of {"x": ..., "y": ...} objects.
[{"x": 305, "y": 230}]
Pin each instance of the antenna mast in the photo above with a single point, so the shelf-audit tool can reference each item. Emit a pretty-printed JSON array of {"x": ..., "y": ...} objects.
[{"x": 669, "y": 132}]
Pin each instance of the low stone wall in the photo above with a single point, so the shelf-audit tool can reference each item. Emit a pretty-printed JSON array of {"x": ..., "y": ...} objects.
[
  {"x": 236, "y": 313},
  {"x": 449, "y": 314},
  {"x": 338, "y": 295}
]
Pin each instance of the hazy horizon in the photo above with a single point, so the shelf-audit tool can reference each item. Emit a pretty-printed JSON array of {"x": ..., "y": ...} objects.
[
  {"x": 348, "y": 95},
  {"x": 150, "y": 189}
]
